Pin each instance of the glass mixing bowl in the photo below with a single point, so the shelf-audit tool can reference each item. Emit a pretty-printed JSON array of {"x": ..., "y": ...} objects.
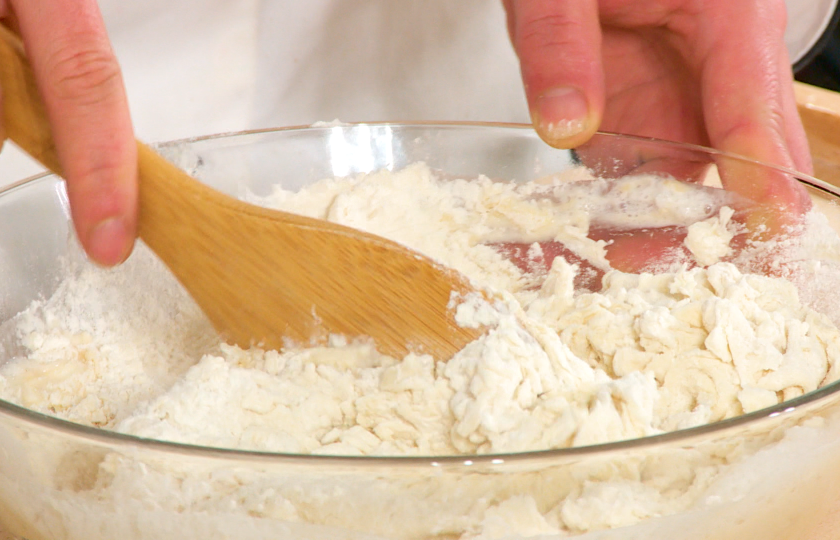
[{"x": 771, "y": 474}]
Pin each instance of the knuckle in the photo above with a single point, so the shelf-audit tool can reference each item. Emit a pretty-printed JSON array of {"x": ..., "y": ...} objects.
[
  {"x": 83, "y": 76},
  {"x": 550, "y": 43},
  {"x": 548, "y": 30}
]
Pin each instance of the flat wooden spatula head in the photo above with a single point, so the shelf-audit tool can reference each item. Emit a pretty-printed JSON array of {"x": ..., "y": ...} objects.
[{"x": 264, "y": 277}]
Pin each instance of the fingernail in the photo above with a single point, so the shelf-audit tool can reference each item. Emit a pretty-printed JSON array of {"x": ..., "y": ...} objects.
[
  {"x": 108, "y": 242},
  {"x": 561, "y": 113}
]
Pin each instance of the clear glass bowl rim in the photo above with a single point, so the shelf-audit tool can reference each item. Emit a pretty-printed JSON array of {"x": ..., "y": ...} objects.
[{"x": 685, "y": 436}]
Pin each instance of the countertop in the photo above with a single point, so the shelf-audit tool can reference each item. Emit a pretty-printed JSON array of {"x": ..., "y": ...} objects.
[{"x": 820, "y": 112}]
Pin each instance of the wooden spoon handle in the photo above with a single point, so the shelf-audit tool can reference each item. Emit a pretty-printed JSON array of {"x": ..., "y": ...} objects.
[{"x": 24, "y": 116}]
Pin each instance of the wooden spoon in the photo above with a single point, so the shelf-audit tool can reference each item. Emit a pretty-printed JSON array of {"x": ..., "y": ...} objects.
[{"x": 265, "y": 277}]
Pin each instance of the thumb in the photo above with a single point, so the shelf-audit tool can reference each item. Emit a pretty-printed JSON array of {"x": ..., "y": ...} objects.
[{"x": 559, "y": 48}]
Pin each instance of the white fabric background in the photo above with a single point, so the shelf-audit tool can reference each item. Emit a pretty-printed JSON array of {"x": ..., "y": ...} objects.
[{"x": 195, "y": 67}]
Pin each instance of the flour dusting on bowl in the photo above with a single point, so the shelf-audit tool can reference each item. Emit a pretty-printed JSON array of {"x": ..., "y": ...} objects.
[{"x": 701, "y": 340}]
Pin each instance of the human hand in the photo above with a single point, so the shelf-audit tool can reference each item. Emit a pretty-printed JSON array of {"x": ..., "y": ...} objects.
[
  {"x": 714, "y": 73},
  {"x": 81, "y": 85}
]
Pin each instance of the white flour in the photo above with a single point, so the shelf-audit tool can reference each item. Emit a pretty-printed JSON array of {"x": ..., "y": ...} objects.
[{"x": 645, "y": 355}]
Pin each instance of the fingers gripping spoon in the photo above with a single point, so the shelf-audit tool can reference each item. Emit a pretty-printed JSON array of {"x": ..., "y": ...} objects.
[{"x": 264, "y": 277}]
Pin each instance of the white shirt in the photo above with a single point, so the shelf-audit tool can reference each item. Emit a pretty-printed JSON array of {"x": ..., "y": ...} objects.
[{"x": 195, "y": 67}]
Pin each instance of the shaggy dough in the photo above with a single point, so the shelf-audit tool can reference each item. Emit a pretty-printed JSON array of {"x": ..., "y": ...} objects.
[{"x": 645, "y": 355}]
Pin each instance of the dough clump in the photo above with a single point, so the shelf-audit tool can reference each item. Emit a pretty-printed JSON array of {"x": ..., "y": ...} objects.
[{"x": 698, "y": 342}]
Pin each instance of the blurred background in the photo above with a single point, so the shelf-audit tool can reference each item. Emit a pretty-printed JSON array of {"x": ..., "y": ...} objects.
[
  {"x": 198, "y": 67},
  {"x": 819, "y": 61}
]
